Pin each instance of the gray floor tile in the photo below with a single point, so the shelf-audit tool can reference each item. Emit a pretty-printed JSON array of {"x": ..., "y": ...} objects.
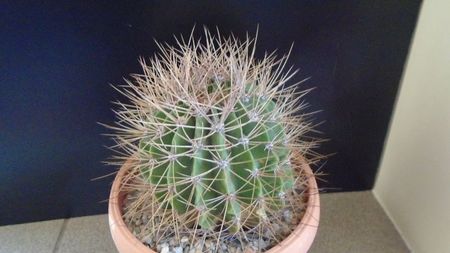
[
  {"x": 36, "y": 237},
  {"x": 355, "y": 223},
  {"x": 86, "y": 235}
]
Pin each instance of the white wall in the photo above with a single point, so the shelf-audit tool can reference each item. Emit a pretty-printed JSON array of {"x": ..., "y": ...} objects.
[{"x": 413, "y": 183}]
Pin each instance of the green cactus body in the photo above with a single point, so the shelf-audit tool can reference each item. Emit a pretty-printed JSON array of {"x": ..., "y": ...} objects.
[{"x": 228, "y": 166}]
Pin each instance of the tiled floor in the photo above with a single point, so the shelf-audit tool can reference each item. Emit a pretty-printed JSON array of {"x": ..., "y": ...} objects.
[{"x": 350, "y": 222}]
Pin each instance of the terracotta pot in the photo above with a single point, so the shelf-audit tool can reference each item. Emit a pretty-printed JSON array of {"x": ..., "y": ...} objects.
[{"x": 298, "y": 241}]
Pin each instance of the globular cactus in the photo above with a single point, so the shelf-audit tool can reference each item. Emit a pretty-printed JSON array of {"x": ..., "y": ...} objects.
[
  {"x": 211, "y": 133},
  {"x": 226, "y": 159}
]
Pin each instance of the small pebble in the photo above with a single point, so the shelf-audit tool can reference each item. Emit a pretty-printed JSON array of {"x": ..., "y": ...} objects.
[
  {"x": 287, "y": 215},
  {"x": 138, "y": 222},
  {"x": 208, "y": 244},
  {"x": 275, "y": 227},
  {"x": 149, "y": 241},
  {"x": 160, "y": 246},
  {"x": 262, "y": 244},
  {"x": 165, "y": 249},
  {"x": 178, "y": 250},
  {"x": 285, "y": 230}
]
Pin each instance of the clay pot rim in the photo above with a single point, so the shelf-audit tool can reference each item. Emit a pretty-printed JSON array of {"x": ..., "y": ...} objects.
[{"x": 299, "y": 239}]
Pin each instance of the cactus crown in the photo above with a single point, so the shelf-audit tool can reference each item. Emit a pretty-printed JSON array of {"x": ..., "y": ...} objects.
[{"x": 211, "y": 132}]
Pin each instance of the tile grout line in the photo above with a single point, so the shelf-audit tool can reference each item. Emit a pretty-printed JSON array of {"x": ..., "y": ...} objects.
[{"x": 60, "y": 235}]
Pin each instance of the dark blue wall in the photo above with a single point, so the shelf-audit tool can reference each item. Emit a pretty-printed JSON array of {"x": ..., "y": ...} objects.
[{"x": 56, "y": 60}]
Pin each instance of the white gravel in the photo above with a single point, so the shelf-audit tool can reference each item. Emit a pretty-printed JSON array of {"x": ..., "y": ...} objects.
[{"x": 184, "y": 243}]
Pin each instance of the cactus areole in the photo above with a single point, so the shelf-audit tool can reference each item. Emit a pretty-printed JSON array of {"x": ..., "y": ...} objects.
[{"x": 210, "y": 132}]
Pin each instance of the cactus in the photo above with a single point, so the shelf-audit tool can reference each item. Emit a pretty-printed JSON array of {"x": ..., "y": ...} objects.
[
  {"x": 210, "y": 133},
  {"x": 220, "y": 159}
]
